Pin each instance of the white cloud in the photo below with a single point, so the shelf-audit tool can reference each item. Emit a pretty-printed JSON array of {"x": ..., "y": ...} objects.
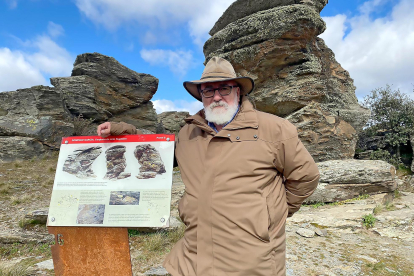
[
  {"x": 198, "y": 15},
  {"x": 30, "y": 65},
  {"x": 377, "y": 51},
  {"x": 179, "y": 105},
  {"x": 54, "y": 29},
  {"x": 16, "y": 72},
  {"x": 179, "y": 61}
]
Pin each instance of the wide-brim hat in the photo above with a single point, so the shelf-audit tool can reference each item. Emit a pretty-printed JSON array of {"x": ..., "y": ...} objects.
[{"x": 219, "y": 69}]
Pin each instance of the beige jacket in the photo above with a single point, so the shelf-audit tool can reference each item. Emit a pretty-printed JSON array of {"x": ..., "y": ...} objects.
[{"x": 241, "y": 184}]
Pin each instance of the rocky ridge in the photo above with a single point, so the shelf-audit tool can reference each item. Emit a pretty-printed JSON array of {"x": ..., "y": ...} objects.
[
  {"x": 295, "y": 73},
  {"x": 33, "y": 120}
]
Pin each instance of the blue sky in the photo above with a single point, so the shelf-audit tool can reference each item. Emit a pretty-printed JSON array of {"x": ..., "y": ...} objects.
[{"x": 373, "y": 40}]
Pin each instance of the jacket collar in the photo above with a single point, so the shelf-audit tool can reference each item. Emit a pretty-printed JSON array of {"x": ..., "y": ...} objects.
[{"x": 245, "y": 118}]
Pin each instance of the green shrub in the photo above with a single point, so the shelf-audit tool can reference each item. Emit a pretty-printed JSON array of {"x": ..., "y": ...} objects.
[{"x": 369, "y": 221}]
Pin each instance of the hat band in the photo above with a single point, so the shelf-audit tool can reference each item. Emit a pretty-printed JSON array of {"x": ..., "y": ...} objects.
[{"x": 217, "y": 77}]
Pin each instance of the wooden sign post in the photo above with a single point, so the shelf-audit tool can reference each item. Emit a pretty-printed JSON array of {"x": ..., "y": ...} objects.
[{"x": 80, "y": 251}]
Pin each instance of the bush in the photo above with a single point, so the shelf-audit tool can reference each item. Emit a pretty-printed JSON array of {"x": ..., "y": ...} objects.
[
  {"x": 392, "y": 112},
  {"x": 369, "y": 221}
]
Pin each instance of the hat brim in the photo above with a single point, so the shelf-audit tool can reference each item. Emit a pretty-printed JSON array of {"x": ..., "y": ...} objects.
[{"x": 246, "y": 85}]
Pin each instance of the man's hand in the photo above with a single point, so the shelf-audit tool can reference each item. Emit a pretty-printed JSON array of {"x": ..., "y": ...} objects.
[{"x": 104, "y": 130}]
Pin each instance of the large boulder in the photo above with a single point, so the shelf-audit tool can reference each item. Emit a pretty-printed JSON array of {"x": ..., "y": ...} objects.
[
  {"x": 132, "y": 87},
  {"x": 292, "y": 68},
  {"x": 243, "y": 8},
  {"x": 172, "y": 121},
  {"x": 20, "y": 148},
  {"x": 36, "y": 112},
  {"x": 100, "y": 89},
  {"x": 325, "y": 136},
  {"x": 345, "y": 179}
]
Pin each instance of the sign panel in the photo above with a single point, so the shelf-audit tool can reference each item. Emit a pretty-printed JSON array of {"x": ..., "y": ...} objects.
[{"x": 119, "y": 181}]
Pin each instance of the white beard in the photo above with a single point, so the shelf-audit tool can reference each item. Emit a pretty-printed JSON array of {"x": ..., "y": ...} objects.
[{"x": 220, "y": 115}]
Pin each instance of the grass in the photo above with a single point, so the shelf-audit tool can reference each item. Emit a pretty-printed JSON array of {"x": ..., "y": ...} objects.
[
  {"x": 15, "y": 250},
  {"x": 20, "y": 269},
  {"x": 153, "y": 246},
  {"x": 369, "y": 221}
]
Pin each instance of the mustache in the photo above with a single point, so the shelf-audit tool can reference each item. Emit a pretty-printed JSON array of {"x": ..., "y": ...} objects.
[{"x": 216, "y": 104}]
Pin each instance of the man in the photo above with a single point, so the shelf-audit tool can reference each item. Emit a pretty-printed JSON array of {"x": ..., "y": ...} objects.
[{"x": 244, "y": 171}]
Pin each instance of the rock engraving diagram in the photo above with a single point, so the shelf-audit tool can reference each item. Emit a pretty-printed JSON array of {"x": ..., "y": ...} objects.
[
  {"x": 124, "y": 198},
  {"x": 80, "y": 162},
  {"x": 150, "y": 160},
  {"x": 90, "y": 214},
  {"x": 116, "y": 163}
]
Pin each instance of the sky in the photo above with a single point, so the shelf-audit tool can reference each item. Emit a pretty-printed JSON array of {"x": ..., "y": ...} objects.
[{"x": 39, "y": 39}]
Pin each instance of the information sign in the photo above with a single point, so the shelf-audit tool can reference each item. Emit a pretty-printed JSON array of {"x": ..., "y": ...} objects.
[{"x": 119, "y": 181}]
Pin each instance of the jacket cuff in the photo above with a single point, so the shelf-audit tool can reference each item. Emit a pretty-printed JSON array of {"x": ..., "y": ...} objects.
[{"x": 122, "y": 128}]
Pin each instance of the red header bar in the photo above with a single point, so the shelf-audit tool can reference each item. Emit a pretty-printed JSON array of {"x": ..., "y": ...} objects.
[{"x": 119, "y": 139}]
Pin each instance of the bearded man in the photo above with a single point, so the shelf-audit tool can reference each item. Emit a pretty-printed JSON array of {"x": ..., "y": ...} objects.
[{"x": 244, "y": 171}]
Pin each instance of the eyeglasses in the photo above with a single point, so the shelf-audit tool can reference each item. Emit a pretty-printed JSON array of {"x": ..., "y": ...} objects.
[{"x": 223, "y": 91}]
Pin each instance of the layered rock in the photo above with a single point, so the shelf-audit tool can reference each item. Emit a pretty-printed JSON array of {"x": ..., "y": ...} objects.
[
  {"x": 150, "y": 160},
  {"x": 116, "y": 163},
  {"x": 172, "y": 121},
  {"x": 80, "y": 162},
  {"x": 322, "y": 133},
  {"x": 20, "y": 148},
  {"x": 240, "y": 9},
  {"x": 345, "y": 179},
  {"x": 100, "y": 89},
  {"x": 276, "y": 44}
]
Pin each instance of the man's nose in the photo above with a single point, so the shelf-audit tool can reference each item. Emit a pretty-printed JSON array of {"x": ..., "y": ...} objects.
[{"x": 217, "y": 97}]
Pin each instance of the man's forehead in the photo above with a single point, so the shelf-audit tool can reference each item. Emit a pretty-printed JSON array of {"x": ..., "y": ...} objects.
[{"x": 218, "y": 83}]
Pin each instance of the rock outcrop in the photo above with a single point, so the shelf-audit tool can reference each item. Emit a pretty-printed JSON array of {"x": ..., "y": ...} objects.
[
  {"x": 276, "y": 44},
  {"x": 116, "y": 163},
  {"x": 100, "y": 89},
  {"x": 172, "y": 121},
  {"x": 80, "y": 162},
  {"x": 345, "y": 179},
  {"x": 150, "y": 160}
]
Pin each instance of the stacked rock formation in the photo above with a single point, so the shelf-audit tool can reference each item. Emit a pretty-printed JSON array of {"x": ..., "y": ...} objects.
[
  {"x": 296, "y": 74},
  {"x": 150, "y": 160},
  {"x": 172, "y": 121},
  {"x": 80, "y": 162},
  {"x": 116, "y": 163},
  {"x": 33, "y": 120}
]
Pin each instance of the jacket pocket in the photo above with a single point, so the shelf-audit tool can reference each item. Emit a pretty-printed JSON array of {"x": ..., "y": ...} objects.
[
  {"x": 264, "y": 222},
  {"x": 182, "y": 208}
]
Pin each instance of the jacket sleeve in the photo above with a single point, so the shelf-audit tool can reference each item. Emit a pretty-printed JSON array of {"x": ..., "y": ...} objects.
[
  {"x": 122, "y": 128},
  {"x": 300, "y": 171}
]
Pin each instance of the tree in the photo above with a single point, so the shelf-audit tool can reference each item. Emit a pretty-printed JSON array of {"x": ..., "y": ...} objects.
[{"x": 392, "y": 112}]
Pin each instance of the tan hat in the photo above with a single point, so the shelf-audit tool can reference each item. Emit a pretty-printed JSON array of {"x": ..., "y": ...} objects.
[{"x": 219, "y": 69}]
